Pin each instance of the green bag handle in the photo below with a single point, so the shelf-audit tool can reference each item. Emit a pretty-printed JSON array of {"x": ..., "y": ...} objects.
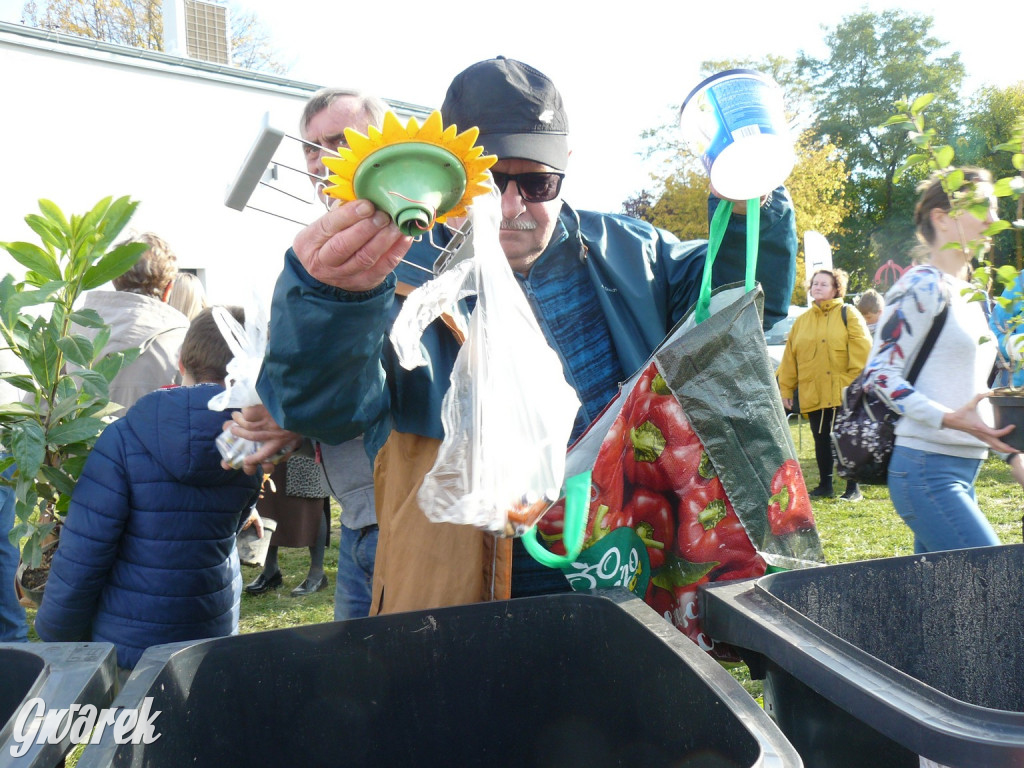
[
  {"x": 719, "y": 224},
  {"x": 577, "y": 505}
]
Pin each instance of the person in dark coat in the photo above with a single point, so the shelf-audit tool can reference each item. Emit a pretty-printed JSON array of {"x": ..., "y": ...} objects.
[{"x": 147, "y": 552}]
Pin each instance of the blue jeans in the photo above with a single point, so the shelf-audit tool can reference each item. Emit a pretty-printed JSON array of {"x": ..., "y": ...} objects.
[
  {"x": 357, "y": 551},
  {"x": 13, "y": 628},
  {"x": 934, "y": 494}
]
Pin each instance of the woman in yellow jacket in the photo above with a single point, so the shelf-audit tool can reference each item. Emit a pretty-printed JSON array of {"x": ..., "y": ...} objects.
[{"x": 825, "y": 351}]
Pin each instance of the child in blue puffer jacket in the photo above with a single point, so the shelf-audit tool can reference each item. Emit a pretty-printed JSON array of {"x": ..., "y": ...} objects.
[{"x": 147, "y": 552}]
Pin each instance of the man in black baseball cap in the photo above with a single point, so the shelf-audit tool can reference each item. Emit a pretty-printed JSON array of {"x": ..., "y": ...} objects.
[
  {"x": 517, "y": 109},
  {"x": 521, "y": 119},
  {"x": 605, "y": 288}
]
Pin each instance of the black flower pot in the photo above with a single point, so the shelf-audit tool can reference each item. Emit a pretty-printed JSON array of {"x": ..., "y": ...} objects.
[{"x": 1009, "y": 409}]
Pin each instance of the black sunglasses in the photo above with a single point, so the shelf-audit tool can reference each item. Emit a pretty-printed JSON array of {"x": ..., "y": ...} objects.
[{"x": 533, "y": 187}]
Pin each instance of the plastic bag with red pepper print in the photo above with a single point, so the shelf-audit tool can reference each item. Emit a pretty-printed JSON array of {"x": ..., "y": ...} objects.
[{"x": 695, "y": 476}]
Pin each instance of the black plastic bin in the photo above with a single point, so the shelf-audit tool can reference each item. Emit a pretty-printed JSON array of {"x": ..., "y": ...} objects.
[
  {"x": 876, "y": 662},
  {"x": 61, "y": 674},
  {"x": 575, "y": 679}
]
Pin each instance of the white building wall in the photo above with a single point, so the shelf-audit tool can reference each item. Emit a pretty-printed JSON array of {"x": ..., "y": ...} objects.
[{"x": 81, "y": 123}]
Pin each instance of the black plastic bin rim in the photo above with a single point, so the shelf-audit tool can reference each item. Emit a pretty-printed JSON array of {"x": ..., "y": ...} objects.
[
  {"x": 71, "y": 673},
  {"x": 918, "y": 716},
  {"x": 774, "y": 748}
]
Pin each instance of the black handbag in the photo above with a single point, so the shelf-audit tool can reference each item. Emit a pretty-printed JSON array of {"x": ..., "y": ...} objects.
[{"x": 863, "y": 435}]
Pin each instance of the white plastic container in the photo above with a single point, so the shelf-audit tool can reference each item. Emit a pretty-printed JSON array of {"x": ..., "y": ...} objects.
[{"x": 736, "y": 121}]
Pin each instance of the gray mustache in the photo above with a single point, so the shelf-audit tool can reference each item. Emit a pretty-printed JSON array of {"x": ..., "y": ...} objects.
[{"x": 517, "y": 225}]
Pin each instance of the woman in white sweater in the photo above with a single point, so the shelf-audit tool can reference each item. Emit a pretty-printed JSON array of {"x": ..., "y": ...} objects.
[{"x": 942, "y": 437}]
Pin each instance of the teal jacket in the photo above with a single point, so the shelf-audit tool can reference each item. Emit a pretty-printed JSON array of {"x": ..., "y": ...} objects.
[{"x": 330, "y": 372}]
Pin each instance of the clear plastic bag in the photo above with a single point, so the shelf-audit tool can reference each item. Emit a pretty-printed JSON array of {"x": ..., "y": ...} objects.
[
  {"x": 509, "y": 412},
  {"x": 248, "y": 344}
]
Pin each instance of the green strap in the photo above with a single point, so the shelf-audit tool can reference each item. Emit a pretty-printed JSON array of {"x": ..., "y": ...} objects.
[
  {"x": 577, "y": 506},
  {"x": 719, "y": 224},
  {"x": 753, "y": 238}
]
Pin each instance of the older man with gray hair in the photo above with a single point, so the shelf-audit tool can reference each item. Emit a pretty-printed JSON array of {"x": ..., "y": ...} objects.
[{"x": 345, "y": 468}]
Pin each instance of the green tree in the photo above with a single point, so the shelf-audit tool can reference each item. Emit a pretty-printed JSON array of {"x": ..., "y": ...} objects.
[
  {"x": 818, "y": 188},
  {"x": 140, "y": 24},
  {"x": 682, "y": 206},
  {"x": 875, "y": 60},
  {"x": 993, "y": 113}
]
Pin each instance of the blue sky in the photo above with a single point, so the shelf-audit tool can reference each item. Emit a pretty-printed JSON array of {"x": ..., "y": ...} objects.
[{"x": 620, "y": 66}]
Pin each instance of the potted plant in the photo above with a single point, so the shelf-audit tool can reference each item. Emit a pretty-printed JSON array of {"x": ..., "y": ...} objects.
[
  {"x": 1007, "y": 400},
  {"x": 64, "y": 377}
]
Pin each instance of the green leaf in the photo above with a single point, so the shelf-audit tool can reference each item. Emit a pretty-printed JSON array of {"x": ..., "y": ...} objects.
[
  {"x": 996, "y": 227},
  {"x": 77, "y": 349},
  {"x": 944, "y": 157},
  {"x": 113, "y": 265},
  {"x": 59, "y": 479},
  {"x": 955, "y": 179},
  {"x": 42, "y": 358},
  {"x": 20, "y": 410},
  {"x": 95, "y": 383},
  {"x": 99, "y": 343},
  {"x": 110, "y": 365},
  {"x": 20, "y": 381},
  {"x": 1006, "y": 274},
  {"x": 911, "y": 162},
  {"x": 31, "y": 552},
  {"x": 16, "y": 304},
  {"x": 90, "y": 226},
  {"x": 1018, "y": 161},
  {"x": 84, "y": 428},
  {"x": 48, "y": 233},
  {"x": 109, "y": 409},
  {"x": 52, "y": 212},
  {"x": 68, "y": 406},
  {"x": 73, "y": 465},
  {"x": 66, "y": 387},
  {"x": 25, "y": 508},
  {"x": 921, "y": 102},
  {"x": 116, "y": 218},
  {"x": 897, "y": 120},
  {"x": 35, "y": 258},
  {"x": 1004, "y": 187},
  {"x": 87, "y": 318},
  {"x": 19, "y": 532},
  {"x": 979, "y": 210},
  {"x": 679, "y": 572},
  {"x": 28, "y": 447}
]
